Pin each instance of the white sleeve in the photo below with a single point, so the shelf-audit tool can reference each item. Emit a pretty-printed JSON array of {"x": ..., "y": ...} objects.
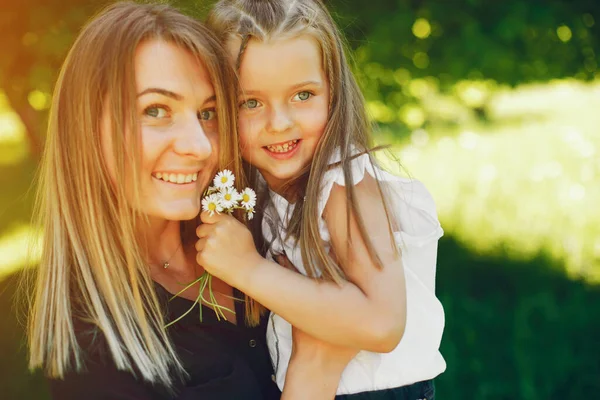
[{"x": 412, "y": 207}]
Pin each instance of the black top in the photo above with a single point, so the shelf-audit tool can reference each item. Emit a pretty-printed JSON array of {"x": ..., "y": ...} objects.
[{"x": 224, "y": 361}]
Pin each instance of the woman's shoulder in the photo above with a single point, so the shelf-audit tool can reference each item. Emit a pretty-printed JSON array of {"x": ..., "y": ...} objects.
[{"x": 95, "y": 376}]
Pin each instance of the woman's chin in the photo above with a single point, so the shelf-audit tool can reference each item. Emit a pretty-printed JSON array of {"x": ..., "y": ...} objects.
[{"x": 178, "y": 212}]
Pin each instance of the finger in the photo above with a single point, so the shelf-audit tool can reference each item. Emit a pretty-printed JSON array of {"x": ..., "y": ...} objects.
[
  {"x": 203, "y": 230},
  {"x": 200, "y": 244},
  {"x": 199, "y": 259},
  {"x": 207, "y": 218}
]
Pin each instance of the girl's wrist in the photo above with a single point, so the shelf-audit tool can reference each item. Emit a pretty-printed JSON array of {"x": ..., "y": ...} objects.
[{"x": 245, "y": 281}]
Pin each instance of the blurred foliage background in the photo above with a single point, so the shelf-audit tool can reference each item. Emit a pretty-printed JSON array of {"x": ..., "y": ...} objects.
[{"x": 494, "y": 105}]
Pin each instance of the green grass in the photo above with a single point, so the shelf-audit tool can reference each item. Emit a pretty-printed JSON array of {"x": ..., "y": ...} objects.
[
  {"x": 515, "y": 329},
  {"x": 524, "y": 181}
]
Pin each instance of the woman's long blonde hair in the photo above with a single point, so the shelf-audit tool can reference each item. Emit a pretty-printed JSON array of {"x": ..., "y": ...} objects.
[
  {"x": 348, "y": 125},
  {"x": 92, "y": 268}
]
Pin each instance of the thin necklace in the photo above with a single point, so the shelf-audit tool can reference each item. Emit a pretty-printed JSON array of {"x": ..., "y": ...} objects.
[{"x": 166, "y": 264}]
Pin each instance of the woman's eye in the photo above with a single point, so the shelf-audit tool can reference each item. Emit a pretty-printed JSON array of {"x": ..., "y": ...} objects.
[
  {"x": 303, "y": 96},
  {"x": 250, "y": 104},
  {"x": 207, "y": 115},
  {"x": 156, "y": 112}
]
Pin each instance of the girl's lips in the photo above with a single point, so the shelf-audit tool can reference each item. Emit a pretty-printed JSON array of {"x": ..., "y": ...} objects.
[{"x": 293, "y": 147}]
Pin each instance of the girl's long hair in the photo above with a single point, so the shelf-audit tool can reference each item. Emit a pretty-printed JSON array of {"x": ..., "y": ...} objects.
[
  {"x": 93, "y": 268},
  {"x": 348, "y": 126}
]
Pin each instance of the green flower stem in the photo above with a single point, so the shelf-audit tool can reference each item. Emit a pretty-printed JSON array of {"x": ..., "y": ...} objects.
[{"x": 204, "y": 280}]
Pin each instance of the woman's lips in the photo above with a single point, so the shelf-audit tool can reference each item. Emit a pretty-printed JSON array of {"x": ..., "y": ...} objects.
[{"x": 176, "y": 178}]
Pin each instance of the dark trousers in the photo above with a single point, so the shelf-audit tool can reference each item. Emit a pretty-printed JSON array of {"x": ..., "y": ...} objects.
[{"x": 417, "y": 391}]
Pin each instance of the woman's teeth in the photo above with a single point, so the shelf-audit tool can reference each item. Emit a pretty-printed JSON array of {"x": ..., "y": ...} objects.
[
  {"x": 283, "y": 148},
  {"x": 176, "y": 178}
]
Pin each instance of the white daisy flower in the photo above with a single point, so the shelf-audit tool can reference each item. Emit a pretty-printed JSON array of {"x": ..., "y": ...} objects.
[
  {"x": 250, "y": 214},
  {"x": 224, "y": 179},
  {"x": 212, "y": 204},
  {"x": 248, "y": 199},
  {"x": 210, "y": 190},
  {"x": 229, "y": 197}
]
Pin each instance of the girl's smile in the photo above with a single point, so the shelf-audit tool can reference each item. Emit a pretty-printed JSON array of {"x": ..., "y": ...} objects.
[{"x": 283, "y": 150}]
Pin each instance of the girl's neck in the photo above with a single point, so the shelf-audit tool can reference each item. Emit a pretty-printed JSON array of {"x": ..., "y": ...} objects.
[{"x": 289, "y": 190}]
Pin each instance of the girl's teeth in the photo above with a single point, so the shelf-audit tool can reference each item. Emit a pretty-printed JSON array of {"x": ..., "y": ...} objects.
[{"x": 283, "y": 148}]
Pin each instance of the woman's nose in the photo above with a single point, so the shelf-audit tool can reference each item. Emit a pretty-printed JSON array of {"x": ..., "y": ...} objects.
[{"x": 192, "y": 140}]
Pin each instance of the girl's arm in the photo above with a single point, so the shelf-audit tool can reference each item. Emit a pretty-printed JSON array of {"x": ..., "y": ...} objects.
[
  {"x": 315, "y": 368},
  {"x": 366, "y": 312}
]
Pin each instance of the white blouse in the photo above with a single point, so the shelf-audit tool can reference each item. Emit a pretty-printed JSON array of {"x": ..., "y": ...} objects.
[{"x": 417, "y": 356}]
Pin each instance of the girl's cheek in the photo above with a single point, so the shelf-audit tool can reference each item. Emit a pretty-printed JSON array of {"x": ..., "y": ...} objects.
[
  {"x": 314, "y": 119},
  {"x": 249, "y": 129}
]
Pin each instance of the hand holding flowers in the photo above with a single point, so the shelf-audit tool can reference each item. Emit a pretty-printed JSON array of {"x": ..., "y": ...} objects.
[
  {"x": 220, "y": 234},
  {"x": 226, "y": 248}
]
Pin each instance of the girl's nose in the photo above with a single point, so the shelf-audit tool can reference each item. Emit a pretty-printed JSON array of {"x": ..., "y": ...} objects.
[{"x": 280, "y": 120}]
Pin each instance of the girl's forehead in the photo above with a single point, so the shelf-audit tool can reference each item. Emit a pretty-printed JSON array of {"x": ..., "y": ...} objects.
[{"x": 281, "y": 62}]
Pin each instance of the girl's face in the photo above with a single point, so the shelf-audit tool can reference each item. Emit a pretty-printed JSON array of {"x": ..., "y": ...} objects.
[
  {"x": 284, "y": 105},
  {"x": 178, "y": 128}
]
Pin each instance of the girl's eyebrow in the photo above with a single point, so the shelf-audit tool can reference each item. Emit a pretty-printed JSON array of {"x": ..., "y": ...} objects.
[
  {"x": 306, "y": 83},
  {"x": 293, "y": 87}
]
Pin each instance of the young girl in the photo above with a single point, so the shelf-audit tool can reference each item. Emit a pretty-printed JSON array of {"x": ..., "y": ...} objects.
[{"x": 369, "y": 236}]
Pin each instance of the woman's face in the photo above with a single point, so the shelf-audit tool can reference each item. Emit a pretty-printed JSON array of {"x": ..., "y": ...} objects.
[{"x": 178, "y": 131}]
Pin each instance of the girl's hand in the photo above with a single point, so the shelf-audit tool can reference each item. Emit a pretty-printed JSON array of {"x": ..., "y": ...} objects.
[{"x": 225, "y": 248}]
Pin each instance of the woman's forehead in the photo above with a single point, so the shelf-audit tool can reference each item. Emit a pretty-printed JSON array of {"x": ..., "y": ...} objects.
[{"x": 165, "y": 65}]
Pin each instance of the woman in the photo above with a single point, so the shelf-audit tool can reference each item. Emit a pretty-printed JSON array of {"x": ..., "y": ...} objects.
[{"x": 141, "y": 119}]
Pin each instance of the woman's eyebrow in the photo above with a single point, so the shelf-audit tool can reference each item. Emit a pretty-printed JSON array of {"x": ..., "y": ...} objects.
[
  {"x": 210, "y": 99},
  {"x": 164, "y": 92}
]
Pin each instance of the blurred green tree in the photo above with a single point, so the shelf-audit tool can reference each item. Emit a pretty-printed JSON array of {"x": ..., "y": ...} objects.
[{"x": 35, "y": 38}]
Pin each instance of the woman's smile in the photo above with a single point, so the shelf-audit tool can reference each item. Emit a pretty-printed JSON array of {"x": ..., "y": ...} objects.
[{"x": 177, "y": 178}]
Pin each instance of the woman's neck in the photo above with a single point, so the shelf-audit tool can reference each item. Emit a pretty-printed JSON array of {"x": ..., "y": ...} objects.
[{"x": 164, "y": 245}]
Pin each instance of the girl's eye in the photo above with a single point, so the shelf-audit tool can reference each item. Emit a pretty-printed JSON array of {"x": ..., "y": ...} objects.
[
  {"x": 303, "y": 96},
  {"x": 156, "y": 112},
  {"x": 207, "y": 115},
  {"x": 251, "y": 104}
]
